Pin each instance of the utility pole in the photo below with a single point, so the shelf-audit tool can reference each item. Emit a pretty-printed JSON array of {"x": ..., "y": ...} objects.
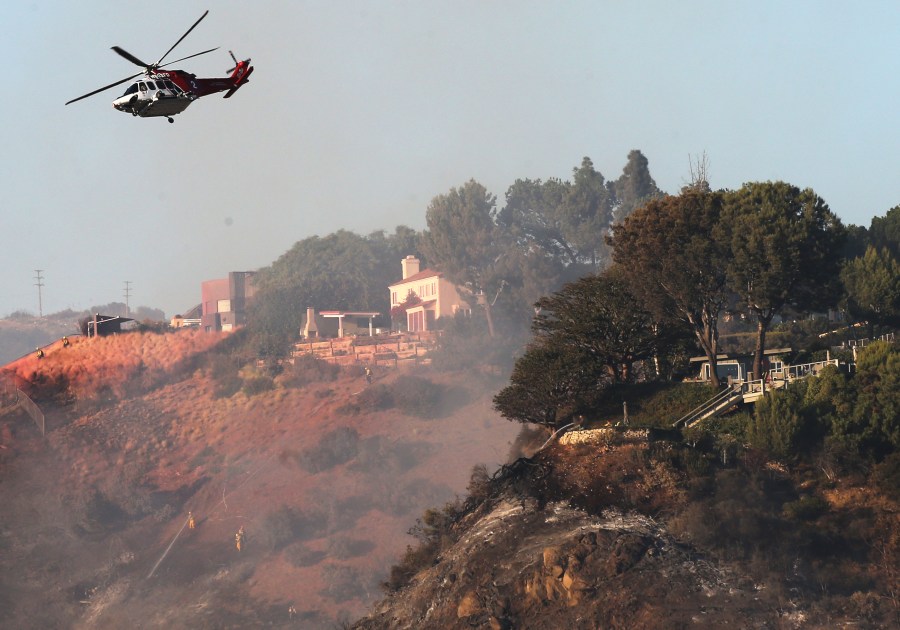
[
  {"x": 39, "y": 283},
  {"x": 127, "y": 296}
]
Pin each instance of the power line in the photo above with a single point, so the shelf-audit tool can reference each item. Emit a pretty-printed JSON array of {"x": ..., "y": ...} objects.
[
  {"x": 39, "y": 284},
  {"x": 127, "y": 296}
]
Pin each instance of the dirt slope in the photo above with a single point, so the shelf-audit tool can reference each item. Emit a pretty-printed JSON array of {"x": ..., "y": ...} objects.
[{"x": 93, "y": 527}]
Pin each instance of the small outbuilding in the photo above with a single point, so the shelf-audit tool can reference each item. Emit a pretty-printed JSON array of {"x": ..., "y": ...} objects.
[
  {"x": 738, "y": 367},
  {"x": 103, "y": 325}
]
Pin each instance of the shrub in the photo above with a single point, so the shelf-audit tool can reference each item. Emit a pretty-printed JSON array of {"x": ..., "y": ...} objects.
[
  {"x": 417, "y": 396},
  {"x": 299, "y": 555},
  {"x": 308, "y": 369},
  {"x": 287, "y": 524},
  {"x": 344, "y": 547},
  {"x": 335, "y": 448},
  {"x": 228, "y": 386},
  {"x": 806, "y": 508},
  {"x": 782, "y": 423},
  {"x": 887, "y": 476},
  {"x": 371, "y": 399},
  {"x": 258, "y": 384},
  {"x": 278, "y": 527},
  {"x": 434, "y": 533},
  {"x": 480, "y": 486},
  {"x": 379, "y": 455},
  {"x": 343, "y": 582}
]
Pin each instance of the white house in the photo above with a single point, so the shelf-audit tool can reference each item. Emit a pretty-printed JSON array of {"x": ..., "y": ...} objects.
[{"x": 439, "y": 297}]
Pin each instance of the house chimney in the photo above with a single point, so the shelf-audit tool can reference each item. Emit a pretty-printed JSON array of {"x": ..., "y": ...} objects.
[
  {"x": 310, "y": 329},
  {"x": 410, "y": 266}
]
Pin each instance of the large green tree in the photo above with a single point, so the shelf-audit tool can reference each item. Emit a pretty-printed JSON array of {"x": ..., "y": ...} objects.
[
  {"x": 785, "y": 250},
  {"x": 533, "y": 218},
  {"x": 634, "y": 187},
  {"x": 586, "y": 336},
  {"x": 549, "y": 386},
  {"x": 872, "y": 288},
  {"x": 599, "y": 317},
  {"x": 667, "y": 250},
  {"x": 586, "y": 214},
  {"x": 463, "y": 241},
  {"x": 885, "y": 231}
]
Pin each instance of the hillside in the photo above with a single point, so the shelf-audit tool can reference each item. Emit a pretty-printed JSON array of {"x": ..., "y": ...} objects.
[
  {"x": 325, "y": 475},
  {"x": 20, "y": 336},
  {"x": 634, "y": 534}
]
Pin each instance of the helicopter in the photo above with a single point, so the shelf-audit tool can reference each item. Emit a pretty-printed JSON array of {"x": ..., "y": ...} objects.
[{"x": 166, "y": 93}]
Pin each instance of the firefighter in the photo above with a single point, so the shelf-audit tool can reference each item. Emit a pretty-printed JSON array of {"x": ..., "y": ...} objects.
[
  {"x": 368, "y": 374},
  {"x": 239, "y": 538},
  {"x": 190, "y": 520},
  {"x": 65, "y": 341},
  {"x": 40, "y": 353}
]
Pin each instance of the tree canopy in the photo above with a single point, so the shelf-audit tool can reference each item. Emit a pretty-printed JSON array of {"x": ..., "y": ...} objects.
[
  {"x": 587, "y": 336},
  {"x": 785, "y": 248},
  {"x": 635, "y": 186},
  {"x": 872, "y": 287},
  {"x": 669, "y": 254}
]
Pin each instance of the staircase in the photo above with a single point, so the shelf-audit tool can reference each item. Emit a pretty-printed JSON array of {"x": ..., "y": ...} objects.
[
  {"x": 750, "y": 391},
  {"x": 719, "y": 403}
]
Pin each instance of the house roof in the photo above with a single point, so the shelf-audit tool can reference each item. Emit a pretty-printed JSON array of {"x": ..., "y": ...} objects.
[
  {"x": 422, "y": 305},
  {"x": 349, "y": 314},
  {"x": 193, "y": 313},
  {"x": 746, "y": 355},
  {"x": 425, "y": 273}
]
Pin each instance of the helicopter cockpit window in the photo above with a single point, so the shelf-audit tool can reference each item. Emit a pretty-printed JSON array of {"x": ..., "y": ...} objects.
[
  {"x": 143, "y": 86},
  {"x": 131, "y": 89},
  {"x": 150, "y": 85}
]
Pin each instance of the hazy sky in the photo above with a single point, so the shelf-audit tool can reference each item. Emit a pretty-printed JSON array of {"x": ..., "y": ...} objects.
[{"x": 359, "y": 113}]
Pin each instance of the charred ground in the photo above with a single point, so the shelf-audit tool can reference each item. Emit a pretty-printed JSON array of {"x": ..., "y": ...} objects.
[{"x": 653, "y": 534}]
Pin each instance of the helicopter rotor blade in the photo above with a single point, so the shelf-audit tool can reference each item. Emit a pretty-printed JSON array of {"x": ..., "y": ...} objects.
[
  {"x": 182, "y": 37},
  {"x": 234, "y": 59},
  {"x": 130, "y": 57},
  {"x": 106, "y": 87},
  {"x": 188, "y": 57}
]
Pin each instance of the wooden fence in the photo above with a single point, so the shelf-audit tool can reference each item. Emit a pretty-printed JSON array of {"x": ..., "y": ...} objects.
[
  {"x": 11, "y": 395},
  {"x": 390, "y": 351}
]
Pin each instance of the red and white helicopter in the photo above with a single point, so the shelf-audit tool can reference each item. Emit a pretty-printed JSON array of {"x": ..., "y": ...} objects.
[{"x": 169, "y": 92}]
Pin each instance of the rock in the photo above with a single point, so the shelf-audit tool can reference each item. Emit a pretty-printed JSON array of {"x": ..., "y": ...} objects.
[
  {"x": 498, "y": 624},
  {"x": 552, "y": 556},
  {"x": 468, "y": 605}
]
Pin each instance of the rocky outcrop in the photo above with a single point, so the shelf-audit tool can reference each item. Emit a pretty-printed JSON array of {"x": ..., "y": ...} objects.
[{"x": 519, "y": 565}]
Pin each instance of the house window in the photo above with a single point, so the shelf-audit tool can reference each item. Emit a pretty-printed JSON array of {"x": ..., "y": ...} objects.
[{"x": 394, "y": 298}]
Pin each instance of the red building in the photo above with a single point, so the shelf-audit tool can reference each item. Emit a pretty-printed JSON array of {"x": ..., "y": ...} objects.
[{"x": 224, "y": 301}]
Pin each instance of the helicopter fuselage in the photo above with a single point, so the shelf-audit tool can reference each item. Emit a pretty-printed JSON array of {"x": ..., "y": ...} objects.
[
  {"x": 170, "y": 92},
  {"x": 154, "y": 95}
]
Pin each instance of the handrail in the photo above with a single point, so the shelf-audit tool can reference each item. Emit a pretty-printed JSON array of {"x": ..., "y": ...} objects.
[
  {"x": 704, "y": 407},
  {"x": 760, "y": 386}
]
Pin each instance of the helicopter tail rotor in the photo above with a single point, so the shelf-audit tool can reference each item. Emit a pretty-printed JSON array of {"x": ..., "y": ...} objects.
[
  {"x": 240, "y": 74},
  {"x": 234, "y": 59}
]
